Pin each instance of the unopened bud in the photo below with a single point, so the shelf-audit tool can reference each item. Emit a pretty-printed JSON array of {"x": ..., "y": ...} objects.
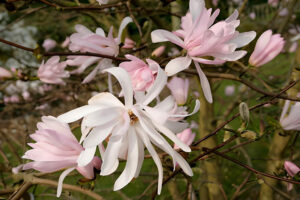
[
  {"x": 227, "y": 134},
  {"x": 249, "y": 135},
  {"x": 244, "y": 112}
]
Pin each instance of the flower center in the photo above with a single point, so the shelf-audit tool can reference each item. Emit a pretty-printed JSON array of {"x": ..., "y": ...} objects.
[{"x": 133, "y": 117}]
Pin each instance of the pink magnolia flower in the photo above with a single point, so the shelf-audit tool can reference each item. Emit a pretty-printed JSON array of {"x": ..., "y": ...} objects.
[
  {"x": 53, "y": 71},
  {"x": 179, "y": 88},
  {"x": 202, "y": 39},
  {"x": 4, "y": 73},
  {"x": 186, "y": 136},
  {"x": 49, "y": 44},
  {"x": 292, "y": 170},
  {"x": 229, "y": 90},
  {"x": 292, "y": 120},
  {"x": 267, "y": 47},
  {"x": 56, "y": 148},
  {"x": 142, "y": 75},
  {"x": 87, "y": 41},
  {"x": 158, "y": 51},
  {"x": 128, "y": 44}
]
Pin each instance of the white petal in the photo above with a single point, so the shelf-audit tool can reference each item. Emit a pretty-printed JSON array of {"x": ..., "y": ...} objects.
[
  {"x": 243, "y": 38},
  {"x": 100, "y": 31},
  {"x": 154, "y": 155},
  {"x": 61, "y": 179},
  {"x": 98, "y": 134},
  {"x": 232, "y": 17},
  {"x": 141, "y": 156},
  {"x": 132, "y": 162},
  {"x": 86, "y": 156},
  {"x": 177, "y": 65},
  {"x": 105, "y": 99},
  {"x": 176, "y": 127},
  {"x": 157, "y": 87},
  {"x": 91, "y": 75},
  {"x": 284, "y": 110},
  {"x": 77, "y": 113},
  {"x": 165, "y": 36},
  {"x": 172, "y": 137},
  {"x": 196, "y": 108},
  {"x": 124, "y": 23},
  {"x": 196, "y": 7},
  {"x": 157, "y": 115},
  {"x": 103, "y": 116},
  {"x": 167, "y": 104},
  {"x": 125, "y": 83},
  {"x": 204, "y": 84}
]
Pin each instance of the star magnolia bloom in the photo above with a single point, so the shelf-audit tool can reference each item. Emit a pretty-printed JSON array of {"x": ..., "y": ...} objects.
[
  {"x": 202, "y": 39},
  {"x": 179, "y": 88},
  {"x": 130, "y": 128},
  {"x": 57, "y": 148},
  {"x": 267, "y": 47},
  {"x": 87, "y": 41},
  {"x": 186, "y": 136},
  {"x": 142, "y": 75},
  {"x": 292, "y": 120},
  {"x": 53, "y": 71}
]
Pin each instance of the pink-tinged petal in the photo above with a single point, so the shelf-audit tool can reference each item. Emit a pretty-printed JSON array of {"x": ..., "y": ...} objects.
[
  {"x": 159, "y": 116},
  {"x": 177, "y": 65},
  {"x": 261, "y": 44},
  {"x": 4, "y": 73},
  {"x": 209, "y": 62},
  {"x": 179, "y": 89},
  {"x": 244, "y": 38},
  {"x": 165, "y": 36},
  {"x": 291, "y": 168},
  {"x": 125, "y": 83},
  {"x": 49, "y": 166},
  {"x": 88, "y": 170},
  {"x": 131, "y": 163},
  {"x": 232, "y": 17},
  {"x": 196, "y": 108},
  {"x": 204, "y": 83},
  {"x": 61, "y": 179}
]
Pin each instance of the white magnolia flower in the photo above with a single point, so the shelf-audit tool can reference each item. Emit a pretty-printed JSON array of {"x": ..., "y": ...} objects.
[
  {"x": 130, "y": 128},
  {"x": 292, "y": 120}
]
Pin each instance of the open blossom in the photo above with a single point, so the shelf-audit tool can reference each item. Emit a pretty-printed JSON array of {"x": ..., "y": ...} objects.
[
  {"x": 179, "y": 88},
  {"x": 186, "y": 136},
  {"x": 267, "y": 47},
  {"x": 128, "y": 44},
  {"x": 4, "y": 73},
  {"x": 130, "y": 128},
  {"x": 290, "y": 121},
  {"x": 56, "y": 148},
  {"x": 49, "y": 44},
  {"x": 292, "y": 170},
  {"x": 201, "y": 39},
  {"x": 53, "y": 71},
  {"x": 142, "y": 75},
  {"x": 87, "y": 41}
]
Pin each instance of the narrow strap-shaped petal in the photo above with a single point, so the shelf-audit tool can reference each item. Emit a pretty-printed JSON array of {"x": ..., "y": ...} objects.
[
  {"x": 154, "y": 155},
  {"x": 204, "y": 84},
  {"x": 196, "y": 108},
  {"x": 156, "y": 88},
  {"x": 141, "y": 156},
  {"x": 196, "y": 7},
  {"x": 124, "y": 23},
  {"x": 125, "y": 82},
  {"x": 177, "y": 65},
  {"x": 86, "y": 156},
  {"x": 132, "y": 161},
  {"x": 78, "y": 113},
  {"x": 161, "y": 35},
  {"x": 61, "y": 179},
  {"x": 285, "y": 109}
]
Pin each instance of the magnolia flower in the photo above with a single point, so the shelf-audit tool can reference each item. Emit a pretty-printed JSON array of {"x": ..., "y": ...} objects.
[
  {"x": 4, "y": 73},
  {"x": 129, "y": 128},
  {"x": 158, "y": 51},
  {"x": 292, "y": 120},
  {"x": 179, "y": 88},
  {"x": 201, "y": 39},
  {"x": 53, "y": 71},
  {"x": 87, "y": 41},
  {"x": 267, "y": 47},
  {"x": 229, "y": 90},
  {"x": 57, "y": 148},
  {"x": 292, "y": 170},
  {"x": 186, "y": 136},
  {"x": 49, "y": 44},
  {"x": 66, "y": 42},
  {"x": 273, "y": 3},
  {"x": 142, "y": 75},
  {"x": 128, "y": 44}
]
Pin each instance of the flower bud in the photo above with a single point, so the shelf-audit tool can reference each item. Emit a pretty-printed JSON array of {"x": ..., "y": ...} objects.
[{"x": 244, "y": 112}]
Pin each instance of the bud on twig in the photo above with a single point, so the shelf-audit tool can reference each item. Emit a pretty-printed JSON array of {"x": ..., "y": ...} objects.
[{"x": 244, "y": 112}]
